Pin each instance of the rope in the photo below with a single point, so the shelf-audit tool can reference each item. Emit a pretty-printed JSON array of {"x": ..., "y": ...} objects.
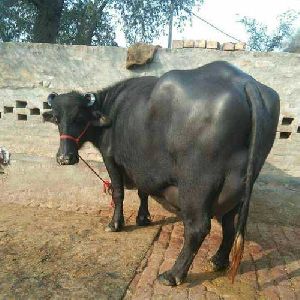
[
  {"x": 212, "y": 25},
  {"x": 106, "y": 184}
]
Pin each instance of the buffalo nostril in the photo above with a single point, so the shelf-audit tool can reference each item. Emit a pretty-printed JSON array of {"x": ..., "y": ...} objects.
[
  {"x": 66, "y": 159},
  {"x": 60, "y": 159}
]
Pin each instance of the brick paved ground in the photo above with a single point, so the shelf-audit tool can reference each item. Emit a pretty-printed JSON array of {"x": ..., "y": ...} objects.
[{"x": 270, "y": 267}]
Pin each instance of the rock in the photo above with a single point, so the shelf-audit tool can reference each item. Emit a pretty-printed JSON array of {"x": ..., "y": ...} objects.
[
  {"x": 228, "y": 47},
  {"x": 188, "y": 44},
  {"x": 212, "y": 45},
  {"x": 200, "y": 44},
  {"x": 140, "y": 54},
  {"x": 240, "y": 46},
  {"x": 176, "y": 44}
]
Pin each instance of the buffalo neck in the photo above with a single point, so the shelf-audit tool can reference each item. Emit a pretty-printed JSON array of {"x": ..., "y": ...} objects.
[{"x": 107, "y": 99}]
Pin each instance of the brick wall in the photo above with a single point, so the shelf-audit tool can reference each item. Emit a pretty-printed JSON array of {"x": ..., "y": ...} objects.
[{"x": 29, "y": 72}]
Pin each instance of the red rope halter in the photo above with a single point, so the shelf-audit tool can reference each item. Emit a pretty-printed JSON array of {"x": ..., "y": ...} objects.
[
  {"x": 107, "y": 187},
  {"x": 76, "y": 140}
]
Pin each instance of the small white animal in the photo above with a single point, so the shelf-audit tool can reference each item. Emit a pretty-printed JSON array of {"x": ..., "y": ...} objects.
[{"x": 4, "y": 158}]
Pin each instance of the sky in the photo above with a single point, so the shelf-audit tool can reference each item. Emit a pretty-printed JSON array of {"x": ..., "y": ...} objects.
[{"x": 225, "y": 14}]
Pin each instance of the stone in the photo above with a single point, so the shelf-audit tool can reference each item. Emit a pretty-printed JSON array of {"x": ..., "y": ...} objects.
[
  {"x": 240, "y": 46},
  {"x": 140, "y": 54},
  {"x": 285, "y": 128},
  {"x": 188, "y": 44},
  {"x": 21, "y": 111},
  {"x": 212, "y": 45},
  {"x": 46, "y": 83},
  {"x": 177, "y": 44},
  {"x": 200, "y": 44},
  {"x": 228, "y": 47}
]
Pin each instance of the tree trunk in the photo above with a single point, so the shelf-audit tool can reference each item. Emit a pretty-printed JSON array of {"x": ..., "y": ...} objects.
[
  {"x": 170, "y": 25},
  {"x": 88, "y": 24},
  {"x": 48, "y": 19},
  {"x": 86, "y": 30}
]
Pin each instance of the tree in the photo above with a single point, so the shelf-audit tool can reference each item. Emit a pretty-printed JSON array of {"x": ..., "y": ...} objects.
[
  {"x": 86, "y": 23},
  {"x": 93, "y": 22},
  {"x": 16, "y": 20},
  {"x": 143, "y": 21},
  {"x": 294, "y": 44},
  {"x": 47, "y": 20},
  {"x": 260, "y": 40}
]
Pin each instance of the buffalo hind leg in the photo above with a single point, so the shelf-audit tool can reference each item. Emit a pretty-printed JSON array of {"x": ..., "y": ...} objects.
[
  {"x": 195, "y": 213},
  {"x": 143, "y": 217},
  {"x": 220, "y": 261},
  {"x": 195, "y": 232}
]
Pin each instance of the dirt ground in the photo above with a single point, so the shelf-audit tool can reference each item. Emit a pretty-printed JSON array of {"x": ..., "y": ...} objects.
[
  {"x": 53, "y": 243},
  {"x": 46, "y": 254}
]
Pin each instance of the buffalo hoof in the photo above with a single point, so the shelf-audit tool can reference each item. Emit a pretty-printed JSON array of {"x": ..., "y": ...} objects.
[
  {"x": 218, "y": 264},
  {"x": 115, "y": 226},
  {"x": 143, "y": 220},
  {"x": 167, "y": 278}
]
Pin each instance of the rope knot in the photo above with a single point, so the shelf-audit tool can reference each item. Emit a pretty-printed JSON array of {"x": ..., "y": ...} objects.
[{"x": 107, "y": 187}]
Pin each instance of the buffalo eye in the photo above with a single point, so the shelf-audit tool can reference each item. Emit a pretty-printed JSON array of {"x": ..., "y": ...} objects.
[
  {"x": 101, "y": 120},
  {"x": 49, "y": 117},
  {"x": 105, "y": 121}
]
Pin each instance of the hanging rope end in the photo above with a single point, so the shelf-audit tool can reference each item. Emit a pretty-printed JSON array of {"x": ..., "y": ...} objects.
[{"x": 107, "y": 187}]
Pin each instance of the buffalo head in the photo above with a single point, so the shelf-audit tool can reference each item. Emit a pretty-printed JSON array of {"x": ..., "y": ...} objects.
[{"x": 77, "y": 117}]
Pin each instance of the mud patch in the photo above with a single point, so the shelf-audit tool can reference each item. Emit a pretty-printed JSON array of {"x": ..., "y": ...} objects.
[{"x": 45, "y": 253}]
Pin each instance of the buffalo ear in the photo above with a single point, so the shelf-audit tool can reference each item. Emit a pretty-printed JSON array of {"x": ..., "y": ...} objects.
[
  {"x": 50, "y": 98},
  {"x": 48, "y": 117},
  {"x": 105, "y": 121},
  {"x": 101, "y": 120}
]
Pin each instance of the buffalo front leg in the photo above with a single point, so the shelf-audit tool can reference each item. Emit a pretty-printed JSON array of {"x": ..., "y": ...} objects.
[
  {"x": 117, "y": 221},
  {"x": 143, "y": 217}
]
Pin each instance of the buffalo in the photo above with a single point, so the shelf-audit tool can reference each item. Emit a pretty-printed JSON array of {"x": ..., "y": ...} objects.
[{"x": 195, "y": 140}]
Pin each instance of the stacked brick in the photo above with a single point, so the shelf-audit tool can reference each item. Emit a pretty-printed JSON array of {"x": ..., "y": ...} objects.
[
  {"x": 287, "y": 125},
  {"x": 207, "y": 44},
  {"x": 23, "y": 110}
]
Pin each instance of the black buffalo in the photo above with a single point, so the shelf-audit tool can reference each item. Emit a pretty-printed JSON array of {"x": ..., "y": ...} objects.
[{"x": 195, "y": 140}]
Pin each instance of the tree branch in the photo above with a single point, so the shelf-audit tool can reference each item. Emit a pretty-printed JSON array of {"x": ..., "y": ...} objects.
[
  {"x": 102, "y": 6},
  {"x": 37, "y": 3}
]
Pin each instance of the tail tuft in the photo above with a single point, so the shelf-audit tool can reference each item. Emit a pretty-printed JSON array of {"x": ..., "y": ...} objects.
[{"x": 237, "y": 254}]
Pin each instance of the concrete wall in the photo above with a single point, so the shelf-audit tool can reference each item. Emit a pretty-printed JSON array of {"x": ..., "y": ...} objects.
[{"x": 28, "y": 72}]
